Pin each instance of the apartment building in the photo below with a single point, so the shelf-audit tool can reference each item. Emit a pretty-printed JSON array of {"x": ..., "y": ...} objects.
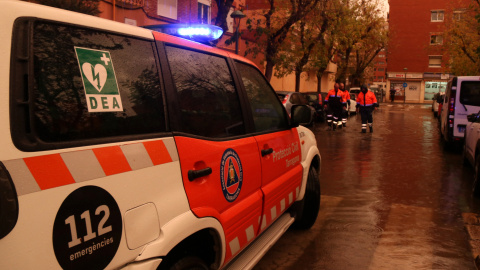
[{"x": 417, "y": 65}]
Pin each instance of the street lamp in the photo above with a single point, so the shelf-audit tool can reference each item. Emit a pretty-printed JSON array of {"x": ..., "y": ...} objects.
[
  {"x": 405, "y": 86},
  {"x": 237, "y": 15}
]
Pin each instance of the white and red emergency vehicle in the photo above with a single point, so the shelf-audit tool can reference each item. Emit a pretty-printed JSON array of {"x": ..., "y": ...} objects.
[{"x": 127, "y": 148}]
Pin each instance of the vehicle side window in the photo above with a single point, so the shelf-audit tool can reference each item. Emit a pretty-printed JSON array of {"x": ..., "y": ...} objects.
[
  {"x": 126, "y": 97},
  {"x": 470, "y": 93},
  {"x": 209, "y": 102},
  {"x": 268, "y": 112},
  {"x": 302, "y": 99}
]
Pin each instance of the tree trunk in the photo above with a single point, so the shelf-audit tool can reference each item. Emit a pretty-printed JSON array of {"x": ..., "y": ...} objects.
[
  {"x": 269, "y": 70},
  {"x": 297, "y": 81},
  {"x": 319, "y": 79}
]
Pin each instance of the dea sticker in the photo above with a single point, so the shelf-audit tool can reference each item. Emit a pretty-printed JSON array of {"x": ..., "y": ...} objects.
[
  {"x": 87, "y": 229},
  {"x": 231, "y": 175},
  {"x": 99, "y": 80}
]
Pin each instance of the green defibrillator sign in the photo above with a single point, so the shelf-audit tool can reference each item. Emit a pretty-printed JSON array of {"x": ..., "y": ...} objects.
[{"x": 99, "y": 80}]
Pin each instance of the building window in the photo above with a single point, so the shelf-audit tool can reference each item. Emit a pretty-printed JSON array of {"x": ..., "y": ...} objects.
[
  {"x": 204, "y": 11},
  {"x": 381, "y": 69},
  {"x": 459, "y": 15},
  {"x": 167, "y": 8},
  {"x": 381, "y": 63},
  {"x": 437, "y": 15},
  {"x": 380, "y": 78},
  {"x": 381, "y": 55},
  {"x": 434, "y": 61},
  {"x": 436, "y": 39}
]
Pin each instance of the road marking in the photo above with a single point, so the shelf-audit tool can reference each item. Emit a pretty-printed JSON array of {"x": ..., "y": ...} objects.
[{"x": 401, "y": 243}]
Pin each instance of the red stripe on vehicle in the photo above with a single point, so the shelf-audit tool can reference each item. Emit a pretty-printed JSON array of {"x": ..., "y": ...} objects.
[
  {"x": 49, "y": 171},
  {"x": 158, "y": 152},
  {"x": 112, "y": 160}
]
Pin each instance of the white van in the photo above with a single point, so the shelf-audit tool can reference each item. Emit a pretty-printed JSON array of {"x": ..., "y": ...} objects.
[{"x": 462, "y": 98}]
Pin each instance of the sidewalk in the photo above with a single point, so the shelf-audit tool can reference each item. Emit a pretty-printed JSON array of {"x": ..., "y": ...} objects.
[{"x": 472, "y": 224}]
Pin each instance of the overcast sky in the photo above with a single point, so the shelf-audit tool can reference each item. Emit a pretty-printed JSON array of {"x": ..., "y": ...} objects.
[{"x": 385, "y": 7}]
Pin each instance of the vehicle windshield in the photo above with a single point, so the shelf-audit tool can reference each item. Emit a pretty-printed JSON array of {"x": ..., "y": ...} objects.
[
  {"x": 355, "y": 90},
  {"x": 470, "y": 93}
]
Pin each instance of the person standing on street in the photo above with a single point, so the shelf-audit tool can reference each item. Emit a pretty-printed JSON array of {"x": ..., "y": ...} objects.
[
  {"x": 346, "y": 96},
  {"x": 392, "y": 94},
  {"x": 334, "y": 103},
  {"x": 366, "y": 102}
]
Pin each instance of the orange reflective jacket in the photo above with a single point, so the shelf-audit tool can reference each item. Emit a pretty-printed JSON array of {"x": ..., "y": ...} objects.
[{"x": 368, "y": 99}]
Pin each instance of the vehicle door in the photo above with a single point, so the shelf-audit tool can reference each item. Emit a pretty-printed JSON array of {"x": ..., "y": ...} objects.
[
  {"x": 468, "y": 103},
  {"x": 471, "y": 136},
  {"x": 220, "y": 164},
  {"x": 278, "y": 144}
]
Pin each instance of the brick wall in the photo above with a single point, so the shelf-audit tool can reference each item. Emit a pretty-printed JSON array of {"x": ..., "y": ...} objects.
[{"x": 410, "y": 30}]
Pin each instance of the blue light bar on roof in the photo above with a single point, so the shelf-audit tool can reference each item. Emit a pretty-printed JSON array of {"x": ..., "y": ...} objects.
[{"x": 203, "y": 33}]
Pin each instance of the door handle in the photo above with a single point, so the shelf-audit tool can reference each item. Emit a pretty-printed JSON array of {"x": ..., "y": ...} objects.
[
  {"x": 267, "y": 151},
  {"x": 194, "y": 174}
]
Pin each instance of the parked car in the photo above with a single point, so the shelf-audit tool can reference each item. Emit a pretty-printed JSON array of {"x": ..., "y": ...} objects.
[
  {"x": 289, "y": 99},
  {"x": 462, "y": 97},
  {"x": 315, "y": 100},
  {"x": 471, "y": 149},
  {"x": 437, "y": 99},
  {"x": 354, "y": 90}
]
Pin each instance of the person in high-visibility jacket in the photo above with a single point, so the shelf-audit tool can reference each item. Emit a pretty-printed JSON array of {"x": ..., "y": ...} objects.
[
  {"x": 334, "y": 103},
  {"x": 346, "y": 95},
  {"x": 366, "y": 103}
]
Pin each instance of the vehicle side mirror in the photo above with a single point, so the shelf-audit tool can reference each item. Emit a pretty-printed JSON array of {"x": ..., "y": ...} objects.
[
  {"x": 301, "y": 115},
  {"x": 472, "y": 117}
]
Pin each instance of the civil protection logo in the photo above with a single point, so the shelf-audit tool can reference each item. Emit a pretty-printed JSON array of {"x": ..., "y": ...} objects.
[{"x": 231, "y": 175}]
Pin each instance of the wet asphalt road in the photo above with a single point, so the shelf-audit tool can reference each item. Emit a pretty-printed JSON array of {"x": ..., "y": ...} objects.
[{"x": 393, "y": 199}]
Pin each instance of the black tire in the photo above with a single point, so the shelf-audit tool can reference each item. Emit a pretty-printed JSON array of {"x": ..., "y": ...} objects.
[
  {"x": 189, "y": 263},
  {"x": 476, "y": 177},
  {"x": 307, "y": 209},
  {"x": 464, "y": 155}
]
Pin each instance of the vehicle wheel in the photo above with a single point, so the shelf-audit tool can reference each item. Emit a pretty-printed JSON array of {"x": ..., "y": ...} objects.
[
  {"x": 189, "y": 263},
  {"x": 476, "y": 180},
  {"x": 464, "y": 154},
  {"x": 307, "y": 209}
]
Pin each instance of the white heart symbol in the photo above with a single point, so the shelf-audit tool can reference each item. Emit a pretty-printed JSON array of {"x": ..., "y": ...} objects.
[{"x": 97, "y": 75}]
